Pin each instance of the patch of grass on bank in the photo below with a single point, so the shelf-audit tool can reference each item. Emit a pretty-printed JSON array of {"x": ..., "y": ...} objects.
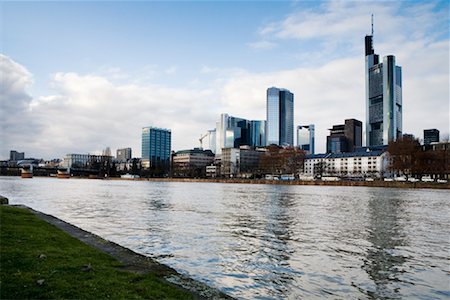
[{"x": 39, "y": 260}]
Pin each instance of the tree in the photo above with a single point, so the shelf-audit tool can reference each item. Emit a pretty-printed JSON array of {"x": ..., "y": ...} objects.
[
  {"x": 404, "y": 156},
  {"x": 281, "y": 160}
]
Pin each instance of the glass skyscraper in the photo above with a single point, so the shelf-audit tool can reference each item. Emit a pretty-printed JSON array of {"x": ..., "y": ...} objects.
[
  {"x": 280, "y": 117},
  {"x": 383, "y": 97},
  {"x": 258, "y": 133},
  {"x": 233, "y": 132},
  {"x": 156, "y": 146},
  {"x": 305, "y": 138}
]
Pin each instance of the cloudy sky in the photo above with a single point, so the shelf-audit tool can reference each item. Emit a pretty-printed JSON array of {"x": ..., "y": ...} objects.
[{"x": 77, "y": 77}]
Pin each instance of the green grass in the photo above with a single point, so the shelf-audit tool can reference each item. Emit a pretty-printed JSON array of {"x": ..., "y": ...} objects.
[{"x": 24, "y": 237}]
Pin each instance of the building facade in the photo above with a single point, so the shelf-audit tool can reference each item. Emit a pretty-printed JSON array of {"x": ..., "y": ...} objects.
[
  {"x": 85, "y": 161},
  {"x": 280, "y": 117},
  {"x": 191, "y": 163},
  {"x": 234, "y": 132},
  {"x": 258, "y": 133},
  {"x": 359, "y": 164},
  {"x": 430, "y": 136},
  {"x": 346, "y": 137},
  {"x": 156, "y": 147},
  {"x": 383, "y": 97},
  {"x": 123, "y": 154},
  {"x": 16, "y": 156},
  {"x": 240, "y": 162},
  {"x": 305, "y": 138}
]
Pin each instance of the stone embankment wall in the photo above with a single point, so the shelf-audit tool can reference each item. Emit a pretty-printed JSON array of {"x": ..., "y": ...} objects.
[{"x": 377, "y": 183}]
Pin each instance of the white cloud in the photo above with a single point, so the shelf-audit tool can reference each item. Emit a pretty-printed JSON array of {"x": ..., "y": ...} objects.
[
  {"x": 262, "y": 45},
  {"x": 171, "y": 70}
]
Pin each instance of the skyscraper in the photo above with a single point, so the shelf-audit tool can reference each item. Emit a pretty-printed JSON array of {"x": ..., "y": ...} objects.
[
  {"x": 156, "y": 146},
  {"x": 383, "y": 97},
  {"x": 233, "y": 132},
  {"x": 258, "y": 133},
  {"x": 345, "y": 137},
  {"x": 305, "y": 138},
  {"x": 280, "y": 117}
]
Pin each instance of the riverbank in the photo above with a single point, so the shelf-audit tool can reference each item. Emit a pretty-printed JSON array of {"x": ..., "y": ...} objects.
[
  {"x": 376, "y": 183},
  {"x": 46, "y": 258}
]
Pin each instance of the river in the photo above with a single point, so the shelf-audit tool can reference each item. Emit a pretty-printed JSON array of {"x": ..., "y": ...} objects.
[{"x": 266, "y": 241}]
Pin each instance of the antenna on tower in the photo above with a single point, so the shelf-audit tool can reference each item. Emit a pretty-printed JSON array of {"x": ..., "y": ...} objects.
[{"x": 372, "y": 24}]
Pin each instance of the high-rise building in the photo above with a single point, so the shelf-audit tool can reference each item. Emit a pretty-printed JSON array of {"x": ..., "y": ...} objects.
[
  {"x": 106, "y": 151},
  {"x": 123, "y": 154},
  {"x": 305, "y": 138},
  {"x": 383, "y": 97},
  {"x": 280, "y": 117},
  {"x": 16, "y": 156},
  {"x": 258, "y": 133},
  {"x": 233, "y": 132},
  {"x": 346, "y": 137},
  {"x": 430, "y": 136},
  {"x": 156, "y": 147},
  {"x": 353, "y": 133}
]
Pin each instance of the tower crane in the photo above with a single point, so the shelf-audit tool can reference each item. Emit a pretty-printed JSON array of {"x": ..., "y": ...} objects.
[{"x": 202, "y": 137}]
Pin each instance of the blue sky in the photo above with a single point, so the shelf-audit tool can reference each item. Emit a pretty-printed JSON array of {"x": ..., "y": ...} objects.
[{"x": 87, "y": 75}]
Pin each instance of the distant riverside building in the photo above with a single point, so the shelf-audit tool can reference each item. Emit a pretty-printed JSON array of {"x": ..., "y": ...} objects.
[
  {"x": 240, "y": 162},
  {"x": 107, "y": 151},
  {"x": 208, "y": 141},
  {"x": 233, "y": 132},
  {"x": 191, "y": 162},
  {"x": 362, "y": 163},
  {"x": 84, "y": 161},
  {"x": 346, "y": 137},
  {"x": 156, "y": 147},
  {"x": 123, "y": 154},
  {"x": 305, "y": 138},
  {"x": 16, "y": 156},
  {"x": 430, "y": 136},
  {"x": 383, "y": 97},
  {"x": 280, "y": 117}
]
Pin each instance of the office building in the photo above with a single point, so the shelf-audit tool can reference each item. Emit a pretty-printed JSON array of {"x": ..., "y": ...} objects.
[
  {"x": 123, "y": 154},
  {"x": 156, "y": 147},
  {"x": 191, "y": 163},
  {"x": 233, "y": 132},
  {"x": 85, "y": 161},
  {"x": 346, "y": 137},
  {"x": 280, "y": 117},
  {"x": 258, "y": 133},
  {"x": 16, "y": 156},
  {"x": 383, "y": 97},
  {"x": 430, "y": 136},
  {"x": 241, "y": 162},
  {"x": 305, "y": 138}
]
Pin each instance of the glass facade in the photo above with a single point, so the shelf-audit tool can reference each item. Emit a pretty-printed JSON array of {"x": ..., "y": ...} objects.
[
  {"x": 233, "y": 132},
  {"x": 305, "y": 138},
  {"x": 258, "y": 133},
  {"x": 383, "y": 98},
  {"x": 280, "y": 117},
  {"x": 156, "y": 147}
]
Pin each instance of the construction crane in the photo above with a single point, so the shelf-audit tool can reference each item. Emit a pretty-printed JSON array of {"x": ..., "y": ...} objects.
[{"x": 202, "y": 137}]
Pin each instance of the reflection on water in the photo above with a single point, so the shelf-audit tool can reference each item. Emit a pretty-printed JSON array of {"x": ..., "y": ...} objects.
[
  {"x": 383, "y": 264},
  {"x": 264, "y": 241}
]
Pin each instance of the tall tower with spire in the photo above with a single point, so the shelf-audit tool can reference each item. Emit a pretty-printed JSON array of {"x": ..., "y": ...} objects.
[{"x": 383, "y": 96}]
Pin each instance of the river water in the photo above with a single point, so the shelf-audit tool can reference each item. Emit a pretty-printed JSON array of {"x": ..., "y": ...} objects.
[{"x": 266, "y": 241}]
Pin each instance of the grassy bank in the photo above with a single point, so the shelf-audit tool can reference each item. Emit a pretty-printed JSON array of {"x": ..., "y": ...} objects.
[{"x": 39, "y": 260}]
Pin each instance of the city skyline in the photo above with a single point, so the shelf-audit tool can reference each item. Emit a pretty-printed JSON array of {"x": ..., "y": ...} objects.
[{"x": 100, "y": 75}]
